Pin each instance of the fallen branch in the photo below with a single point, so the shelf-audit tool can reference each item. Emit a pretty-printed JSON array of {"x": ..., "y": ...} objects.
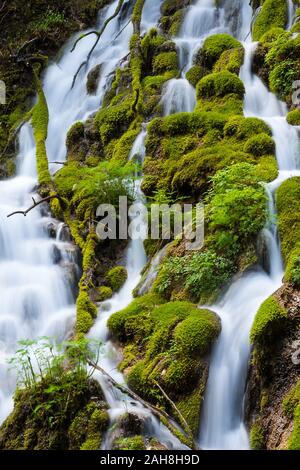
[
  {"x": 34, "y": 205},
  {"x": 180, "y": 415},
  {"x": 98, "y": 37},
  {"x": 159, "y": 413}
]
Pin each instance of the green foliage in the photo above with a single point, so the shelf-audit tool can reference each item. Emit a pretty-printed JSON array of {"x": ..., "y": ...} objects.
[
  {"x": 130, "y": 443},
  {"x": 51, "y": 20},
  {"x": 53, "y": 408},
  {"x": 293, "y": 117},
  {"x": 220, "y": 84},
  {"x": 273, "y": 14},
  {"x": 116, "y": 277},
  {"x": 202, "y": 274},
  {"x": 268, "y": 321},
  {"x": 214, "y": 46}
]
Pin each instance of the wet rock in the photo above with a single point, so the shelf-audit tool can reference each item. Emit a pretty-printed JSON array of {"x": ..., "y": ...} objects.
[
  {"x": 56, "y": 255},
  {"x": 93, "y": 79}
]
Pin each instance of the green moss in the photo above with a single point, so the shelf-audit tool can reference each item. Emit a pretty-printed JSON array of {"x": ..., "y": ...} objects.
[
  {"x": 130, "y": 443},
  {"x": 261, "y": 144},
  {"x": 213, "y": 48},
  {"x": 195, "y": 335},
  {"x": 293, "y": 117},
  {"x": 114, "y": 120},
  {"x": 166, "y": 342},
  {"x": 244, "y": 128},
  {"x": 257, "y": 437},
  {"x": 268, "y": 321},
  {"x": 140, "y": 306},
  {"x": 75, "y": 133},
  {"x": 195, "y": 73},
  {"x": 230, "y": 60},
  {"x": 291, "y": 409},
  {"x": 103, "y": 293},
  {"x": 274, "y": 13},
  {"x": 220, "y": 84},
  {"x": 86, "y": 312},
  {"x": 165, "y": 62},
  {"x": 40, "y": 118},
  {"x": 287, "y": 199},
  {"x": 116, "y": 277}
]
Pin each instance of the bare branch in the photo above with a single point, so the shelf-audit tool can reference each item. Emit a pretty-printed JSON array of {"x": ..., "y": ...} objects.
[
  {"x": 34, "y": 205},
  {"x": 159, "y": 413},
  {"x": 98, "y": 34}
]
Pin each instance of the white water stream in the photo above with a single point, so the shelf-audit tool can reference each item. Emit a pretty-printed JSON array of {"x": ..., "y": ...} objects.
[{"x": 222, "y": 424}]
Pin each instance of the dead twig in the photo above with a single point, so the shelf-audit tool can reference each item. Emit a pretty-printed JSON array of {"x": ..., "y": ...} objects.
[
  {"x": 98, "y": 37},
  {"x": 34, "y": 205}
]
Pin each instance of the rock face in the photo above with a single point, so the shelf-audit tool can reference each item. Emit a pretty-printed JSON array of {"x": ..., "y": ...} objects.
[{"x": 274, "y": 374}]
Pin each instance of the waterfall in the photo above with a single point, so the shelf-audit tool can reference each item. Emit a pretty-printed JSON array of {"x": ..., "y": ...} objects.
[
  {"x": 222, "y": 424},
  {"x": 37, "y": 271}
]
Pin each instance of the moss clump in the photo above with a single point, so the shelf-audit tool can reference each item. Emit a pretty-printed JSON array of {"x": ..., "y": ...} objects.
[
  {"x": 257, "y": 437},
  {"x": 172, "y": 339},
  {"x": 268, "y": 321},
  {"x": 114, "y": 120},
  {"x": 86, "y": 313},
  {"x": 213, "y": 48},
  {"x": 86, "y": 430},
  {"x": 293, "y": 117},
  {"x": 116, "y": 277},
  {"x": 40, "y": 118},
  {"x": 165, "y": 62},
  {"x": 220, "y": 84},
  {"x": 244, "y": 128},
  {"x": 274, "y": 13},
  {"x": 103, "y": 293},
  {"x": 195, "y": 73},
  {"x": 230, "y": 60},
  {"x": 261, "y": 144},
  {"x": 288, "y": 198}
]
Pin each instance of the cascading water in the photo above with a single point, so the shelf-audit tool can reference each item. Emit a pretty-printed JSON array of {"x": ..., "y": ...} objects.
[
  {"x": 222, "y": 425},
  {"x": 37, "y": 272}
]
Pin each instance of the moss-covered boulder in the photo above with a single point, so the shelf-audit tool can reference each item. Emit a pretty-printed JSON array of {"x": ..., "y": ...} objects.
[
  {"x": 166, "y": 343},
  {"x": 213, "y": 47},
  {"x": 274, "y": 13},
  {"x": 293, "y": 117},
  {"x": 116, "y": 277}
]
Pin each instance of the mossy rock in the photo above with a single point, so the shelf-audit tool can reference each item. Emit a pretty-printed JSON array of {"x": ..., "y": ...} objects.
[
  {"x": 220, "y": 84},
  {"x": 116, "y": 277},
  {"x": 213, "y": 48},
  {"x": 230, "y": 60},
  {"x": 293, "y": 117},
  {"x": 195, "y": 73},
  {"x": 261, "y": 144},
  {"x": 104, "y": 293},
  {"x": 274, "y": 13},
  {"x": 268, "y": 321}
]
